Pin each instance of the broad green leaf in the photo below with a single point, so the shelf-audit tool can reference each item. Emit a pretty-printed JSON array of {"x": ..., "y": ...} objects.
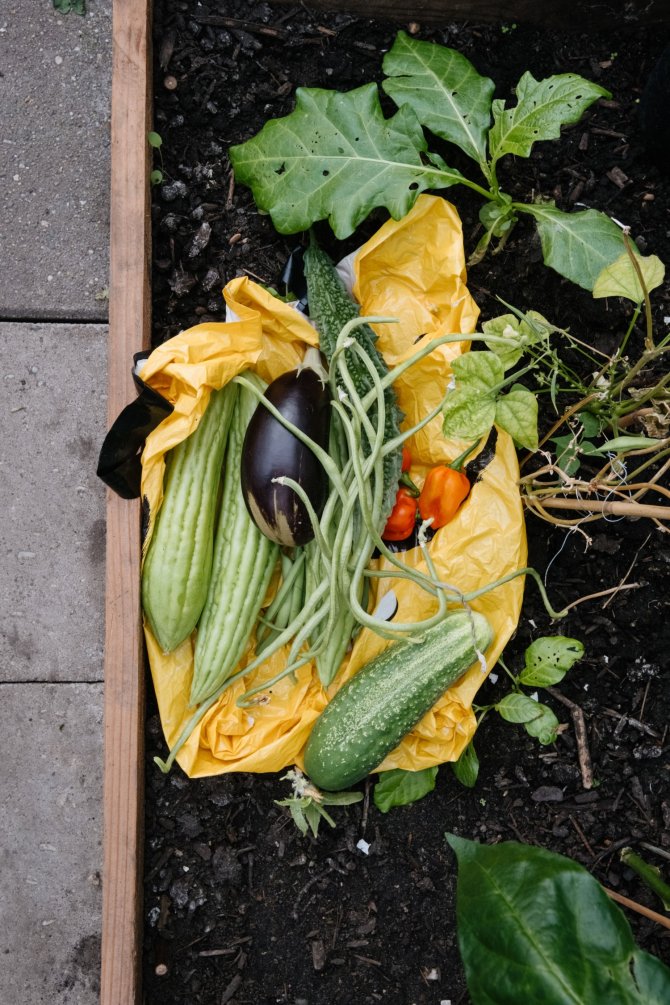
[
  {"x": 336, "y": 157},
  {"x": 516, "y": 413},
  {"x": 478, "y": 371},
  {"x": 544, "y": 727},
  {"x": 468, "y": 414},
  {"x": 548, "y": 659},
  {"x": 536, "y": 927},
  {"x": 398, "y": 787},
  {"x": 515, "y": 707},
  {"x": 448, "y": 95},
  {"x": 590, "y": 423},
  {"x": 567, "y": 453},
  {"x": 469, "y": 410},
  {"x": 542, "y": 107},
  {"x": 577, "y": 245},
  {"x": 620, "y": 279},
  {"x": 517, "y": 333},
  {"x": 466, "y": 768}
]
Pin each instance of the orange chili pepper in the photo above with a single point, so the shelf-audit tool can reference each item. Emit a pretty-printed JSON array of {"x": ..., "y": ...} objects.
[
  {"x": 401, "y": 522},
  {"x": 443, "y": 492},
  {"x": 406, "y": 459}
]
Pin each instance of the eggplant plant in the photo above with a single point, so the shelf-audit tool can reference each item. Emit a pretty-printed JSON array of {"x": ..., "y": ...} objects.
[{"x": 336, "y": 157}]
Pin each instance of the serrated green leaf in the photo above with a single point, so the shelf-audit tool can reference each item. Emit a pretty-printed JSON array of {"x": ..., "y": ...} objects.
[
  {"x": 544, "y": 727},
  {"x": 516, "y": 413},
  {"x": 516, "y": 707},
  {"x": 466, "y": 768},
  {"x": 549, "y": 658},
  {"x": 542, "y": 107},
  {"x": 399, "y": 788},
  {"x": 70, "y": 6},
  {"x": 577, "y": 245},
  {"x": 620, "y": 279},
  {"x": 442, "y": 86},
  {"x": 536, "y": 927},
  {"x": 336, "y": 157}
]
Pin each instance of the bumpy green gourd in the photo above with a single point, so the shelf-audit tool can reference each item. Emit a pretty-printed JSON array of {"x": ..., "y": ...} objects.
[
  {"x": 370, "y": 715},
  {"x": 243, "y": 563},
  {"x": 178, "y": 562}
]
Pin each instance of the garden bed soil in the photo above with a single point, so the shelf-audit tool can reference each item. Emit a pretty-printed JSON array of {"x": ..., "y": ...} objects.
[{"x": 238, "y": 906}]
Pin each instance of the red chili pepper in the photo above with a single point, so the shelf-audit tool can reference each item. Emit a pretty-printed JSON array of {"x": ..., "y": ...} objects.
[
  {"x": 443, "y": 492},
  {"x": 401, "y": 522},
  {"x": 406, "y": 459}
]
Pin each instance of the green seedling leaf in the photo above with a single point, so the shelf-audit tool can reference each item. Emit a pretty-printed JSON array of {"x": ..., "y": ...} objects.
[
  {"x": 336, "y": 157},
  {"x": 156, "y": 177},
  {"x": 448, "y": 95},
  {"x": 534, "y": 926},
  {"x": 544, "y": 727},
  {"x": 567, "y": 450},
  {"x": 469, "y": 410},
  {"x": 620, "y": 279},
  {"x": 516, "y": 413},
  {"x": 70, "y": 6},
  {"x": 399, "y": 788},
  {"x": 155, "y": 140},
  {"x": 515, "y": 707},
  {"x": 548, "y": 660},
  {"x": 577, "y": 245},
  {"x": 543, "y": 106},
  {"x": 466, "y": 768},
  {"x": 518, "y": 334}
]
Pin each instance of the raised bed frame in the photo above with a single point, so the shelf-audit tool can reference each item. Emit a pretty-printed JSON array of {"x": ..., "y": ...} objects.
[{"x": 129, "y": 331}]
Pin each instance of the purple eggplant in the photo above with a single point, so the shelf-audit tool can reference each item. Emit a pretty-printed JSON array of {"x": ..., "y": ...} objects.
[{"x": 270, "y": 451}]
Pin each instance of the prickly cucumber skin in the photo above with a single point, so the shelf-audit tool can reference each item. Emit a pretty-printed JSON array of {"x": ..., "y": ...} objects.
[
  {"x": 370, "y": 715},
  {"x": 177, "y": 566}
]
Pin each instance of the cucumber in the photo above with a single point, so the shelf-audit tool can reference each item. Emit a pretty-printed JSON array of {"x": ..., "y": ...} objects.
[
  {"x": 242, "y": 566},
  {"x": 370, "y": 715},
  {"x": 178, "y": 562}
]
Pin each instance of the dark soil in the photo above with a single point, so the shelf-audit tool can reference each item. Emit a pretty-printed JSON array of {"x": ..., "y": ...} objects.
[{"x": 238, "y": 906}]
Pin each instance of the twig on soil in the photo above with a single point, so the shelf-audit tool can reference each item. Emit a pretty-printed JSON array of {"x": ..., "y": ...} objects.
[
  {"x": 582, "y": 836},
  {"x": 231, "y": 989},
  {"x": 602, "y": 593},
  {"x": 219, "y": 21},
  {"x": 626, "y": 720},
  {"x": 653, "y": 848},
  {"x": 634, "y": 906},
  {"x": 306, "y": 887},
  {"x": 366, "y": 807},
  {"x": 579, "y": 723},
  {"x": 626, "y": 574}
]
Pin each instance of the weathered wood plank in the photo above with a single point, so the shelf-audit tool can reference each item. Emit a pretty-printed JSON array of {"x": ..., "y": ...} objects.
[
  {"x": 562, "y": 15},
  {"x": 129, "y": 320}
]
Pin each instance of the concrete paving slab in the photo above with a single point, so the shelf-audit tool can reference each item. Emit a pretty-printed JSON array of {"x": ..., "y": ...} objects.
[
  {"x": 55, "y": 102},
  {"x": 52, "y": 528},
  {"x": 50, "y": 843}
]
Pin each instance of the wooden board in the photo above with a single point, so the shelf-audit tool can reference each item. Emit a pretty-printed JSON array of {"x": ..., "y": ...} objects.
[
  {"x": 563, "y": 15},
  {"x": 129, "y": 323}
]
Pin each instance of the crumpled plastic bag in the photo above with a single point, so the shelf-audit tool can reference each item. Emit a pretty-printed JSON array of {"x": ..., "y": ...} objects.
[{"x": 414, "y": 270}]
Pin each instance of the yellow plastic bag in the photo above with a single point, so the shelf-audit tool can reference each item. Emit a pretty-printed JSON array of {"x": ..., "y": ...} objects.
[{"x": 414, "y": 270}]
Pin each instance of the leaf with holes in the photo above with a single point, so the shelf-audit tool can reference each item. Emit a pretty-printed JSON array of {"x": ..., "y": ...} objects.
[
  {"x": 335, "y": 158},
  {"x": 542, "y": 107},
  {"x": 442, "y": 86},
  {"x": 548, "y": 659}
]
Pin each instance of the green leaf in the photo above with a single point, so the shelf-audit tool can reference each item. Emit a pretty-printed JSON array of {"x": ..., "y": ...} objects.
[
  {"x": 620, "y": 279},
  {"x": 536, "y": 927},
  {"x": 340, "y": 798},
  {"x": 466, "y": 768},
  {"x": 313, "y": 816},
  {"x": 398, "y": 787},
  {"x": 469, "y": 409},
  {"x": 448, "y": 95},
  {"x": 577, "y": 245},
  {"x": 548, "y": 659},
  {"x": 336, "y": 157},
  {"x": 567, "y": 452},
  {"x": 543, "y": 106},
  {"x": 518, "y": 334},
  {"x": 544, "y": 727},
  {"x": 156, "y": 177},
  {"x": 515, "y": 707},
  {"x": 155, "y": 140},
  {"x": 516, "y": 413},
  {"x": 70, "y": 6},
  {"x": 620, "y": 444}
]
